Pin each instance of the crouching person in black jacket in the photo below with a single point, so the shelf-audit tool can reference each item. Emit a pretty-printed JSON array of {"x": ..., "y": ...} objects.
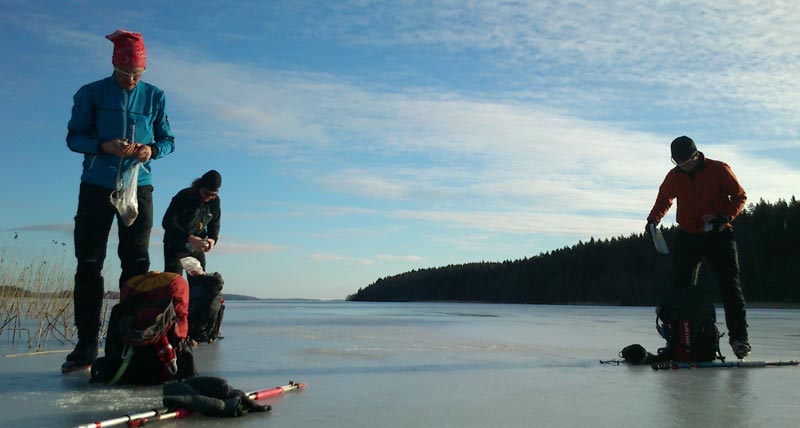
[
  {"x": 191, "y": 223},
  {"x": 191, "y": 229}
]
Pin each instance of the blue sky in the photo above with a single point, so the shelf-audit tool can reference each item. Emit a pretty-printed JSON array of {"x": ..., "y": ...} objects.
[{"x": 362, "y": 139}]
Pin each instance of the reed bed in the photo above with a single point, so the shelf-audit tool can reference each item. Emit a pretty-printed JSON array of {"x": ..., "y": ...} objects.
[{"x": 36, "y": 307}]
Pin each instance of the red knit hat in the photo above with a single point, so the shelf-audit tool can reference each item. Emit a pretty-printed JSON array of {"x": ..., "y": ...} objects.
[{"x": 128, "y": 49}]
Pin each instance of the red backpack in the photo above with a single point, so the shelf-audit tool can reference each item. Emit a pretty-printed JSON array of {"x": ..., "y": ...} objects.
[{"x": 146, "y": 341}]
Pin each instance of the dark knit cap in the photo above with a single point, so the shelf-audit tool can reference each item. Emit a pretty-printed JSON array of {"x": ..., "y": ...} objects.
[
  {"x": 211, "y": 180},
  {"x": 682, "y": 149}
]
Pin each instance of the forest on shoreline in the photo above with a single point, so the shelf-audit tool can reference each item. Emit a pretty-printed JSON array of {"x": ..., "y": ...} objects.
[{"x": 617, "y": 271}]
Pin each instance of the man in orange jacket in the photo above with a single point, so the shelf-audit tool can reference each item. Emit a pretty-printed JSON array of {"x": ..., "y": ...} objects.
[{"x": 709, "y": 198}]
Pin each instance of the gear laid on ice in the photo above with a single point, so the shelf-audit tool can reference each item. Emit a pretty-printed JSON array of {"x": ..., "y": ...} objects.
[{"x": 211, "y": 396}]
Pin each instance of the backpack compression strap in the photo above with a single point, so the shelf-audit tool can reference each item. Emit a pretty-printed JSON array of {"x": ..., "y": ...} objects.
[{"x": 127, "y": 355}]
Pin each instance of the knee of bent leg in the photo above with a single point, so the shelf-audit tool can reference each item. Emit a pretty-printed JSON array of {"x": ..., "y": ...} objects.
[
  {"x": 138, "y": 266},
  {"x": 89, "y": 270}
]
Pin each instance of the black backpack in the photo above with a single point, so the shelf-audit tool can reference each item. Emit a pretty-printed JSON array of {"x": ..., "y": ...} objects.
[
  {"x": 206, "y": 306},
  {"x": 142, "y": 347},
  {"x": 687, "y": 320}
]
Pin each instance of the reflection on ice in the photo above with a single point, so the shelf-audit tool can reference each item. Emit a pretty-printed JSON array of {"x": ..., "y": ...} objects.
[{"x": 439, "y": 365}]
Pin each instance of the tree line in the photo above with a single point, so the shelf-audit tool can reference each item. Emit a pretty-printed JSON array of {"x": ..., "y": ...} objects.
[{"x": 617, "y": 271}]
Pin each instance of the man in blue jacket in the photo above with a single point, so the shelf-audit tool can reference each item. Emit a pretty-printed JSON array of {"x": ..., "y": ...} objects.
[{"x": 118, "y": 123}]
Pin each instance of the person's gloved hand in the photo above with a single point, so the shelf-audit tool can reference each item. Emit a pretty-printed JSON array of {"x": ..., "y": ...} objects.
[{"x": 647, "y": 227}]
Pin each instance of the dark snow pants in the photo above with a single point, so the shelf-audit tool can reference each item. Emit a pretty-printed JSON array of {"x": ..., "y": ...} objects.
[
  {"x": 92, "y": 226},
  {"x": 173, "y": 256},
  {"x": 721, "y": 252}
]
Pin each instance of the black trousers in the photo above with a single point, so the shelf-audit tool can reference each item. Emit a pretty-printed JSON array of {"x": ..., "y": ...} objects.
[
  {"x": 92, "y": 226},
  {"x": 722, "y": 254},
  {"x": 173, "y": 256}
]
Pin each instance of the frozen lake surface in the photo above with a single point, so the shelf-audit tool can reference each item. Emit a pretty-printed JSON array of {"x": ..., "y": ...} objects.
[{"x": 439, "y": 365}]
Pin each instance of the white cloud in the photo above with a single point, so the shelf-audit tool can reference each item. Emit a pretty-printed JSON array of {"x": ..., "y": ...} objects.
[
  {"x": 696, "y": 57},
  {"x": 388, "y": 257},
  {"x": 422, "y": 147},
  {"x": 60, "y": 228},
  {"x": 342, "y": 259},
  {"x": 530, "y": 222},
  {"x": 364, "y": 261},
  {"x": 236, "y": 247},
  {"x": 492, "y": 159}
]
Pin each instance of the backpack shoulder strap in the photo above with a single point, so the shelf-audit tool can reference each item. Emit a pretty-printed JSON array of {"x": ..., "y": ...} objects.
[{"x": 127, "y": 355}]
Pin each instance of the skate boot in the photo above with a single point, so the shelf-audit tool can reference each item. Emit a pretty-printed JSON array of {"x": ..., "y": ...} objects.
[
  {"x": 741, "y": 348},
  {"x": 82, "y": 356}
]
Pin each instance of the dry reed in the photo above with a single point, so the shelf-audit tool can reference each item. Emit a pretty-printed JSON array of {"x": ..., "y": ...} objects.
[{"x": 36, "y": 298}]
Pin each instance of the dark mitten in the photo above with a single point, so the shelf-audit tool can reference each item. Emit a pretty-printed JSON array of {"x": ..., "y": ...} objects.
[
  {"x": 239, "y": 404},
  {"x": 634, "y": 354},
  {"x": 250, "y": 404}
]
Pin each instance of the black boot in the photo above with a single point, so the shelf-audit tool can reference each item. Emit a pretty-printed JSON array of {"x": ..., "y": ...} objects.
[{"x": 82, "y": 356}]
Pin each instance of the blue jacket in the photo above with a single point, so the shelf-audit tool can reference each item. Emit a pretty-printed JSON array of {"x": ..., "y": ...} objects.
[{"x": 103, "y": 111}]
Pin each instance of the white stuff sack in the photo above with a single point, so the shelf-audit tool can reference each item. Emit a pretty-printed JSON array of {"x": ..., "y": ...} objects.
[
  {"x": 192, "y": 266},
  {"x": 124, "y": 198},
  {"x": 658, "y": 240}
]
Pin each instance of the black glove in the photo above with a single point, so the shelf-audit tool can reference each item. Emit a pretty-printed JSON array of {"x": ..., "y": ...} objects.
[
  {"x": 647, "y": 227},
  {"x": 239, "y": 404},
  {"x": 718, "y": 224},
  {"x": 636, "y": 354}
]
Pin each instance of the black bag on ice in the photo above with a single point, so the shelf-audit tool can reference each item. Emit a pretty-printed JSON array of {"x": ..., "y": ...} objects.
[
  {"x": 206, "y": 306},
  {"x": 687, "y": 320}
]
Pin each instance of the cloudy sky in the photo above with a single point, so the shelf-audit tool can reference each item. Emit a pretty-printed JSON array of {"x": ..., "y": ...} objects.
[{"x": 362, "y": 139}]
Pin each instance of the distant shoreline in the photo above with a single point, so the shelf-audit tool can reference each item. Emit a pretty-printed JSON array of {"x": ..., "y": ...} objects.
[
  {"x": 112, "y": 295},
  {"x": 749, "y": 305},
  {"x": 773, "y": 305}
]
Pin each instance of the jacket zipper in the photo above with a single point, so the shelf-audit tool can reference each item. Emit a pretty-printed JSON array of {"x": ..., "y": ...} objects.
[{"x": 125, "y": 117}]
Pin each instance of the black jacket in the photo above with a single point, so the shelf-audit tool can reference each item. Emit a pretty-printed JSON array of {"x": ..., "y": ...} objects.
[{"x": 188, "y": 215}]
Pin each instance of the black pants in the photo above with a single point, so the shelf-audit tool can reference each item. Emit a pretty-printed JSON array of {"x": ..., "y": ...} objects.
[
  {"x": 173, "y": 256},
  {"x": 92, "y": 226},
  {"x": 721, "y": 252}
]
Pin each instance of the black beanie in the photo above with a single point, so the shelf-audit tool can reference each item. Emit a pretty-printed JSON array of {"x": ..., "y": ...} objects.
[
  {"x": 211, "y": 180},
  {"x": 682, "y": 149}
]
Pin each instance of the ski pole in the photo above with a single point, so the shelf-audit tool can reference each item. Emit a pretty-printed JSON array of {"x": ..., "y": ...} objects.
[
  {"x": 721, "y": 364},
  {"x": 139, "y": 419}
]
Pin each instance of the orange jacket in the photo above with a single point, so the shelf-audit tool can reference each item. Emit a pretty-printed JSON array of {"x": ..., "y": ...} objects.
[{"x": 712, "y": 191}]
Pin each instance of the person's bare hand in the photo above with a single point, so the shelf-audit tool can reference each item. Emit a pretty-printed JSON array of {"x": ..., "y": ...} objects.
[
  {"x": 143, "y": 152},
  {"x": 197, "y": 243},
  {"x": 119, "y": 147},
  {"x": 210, "y": 244}
]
